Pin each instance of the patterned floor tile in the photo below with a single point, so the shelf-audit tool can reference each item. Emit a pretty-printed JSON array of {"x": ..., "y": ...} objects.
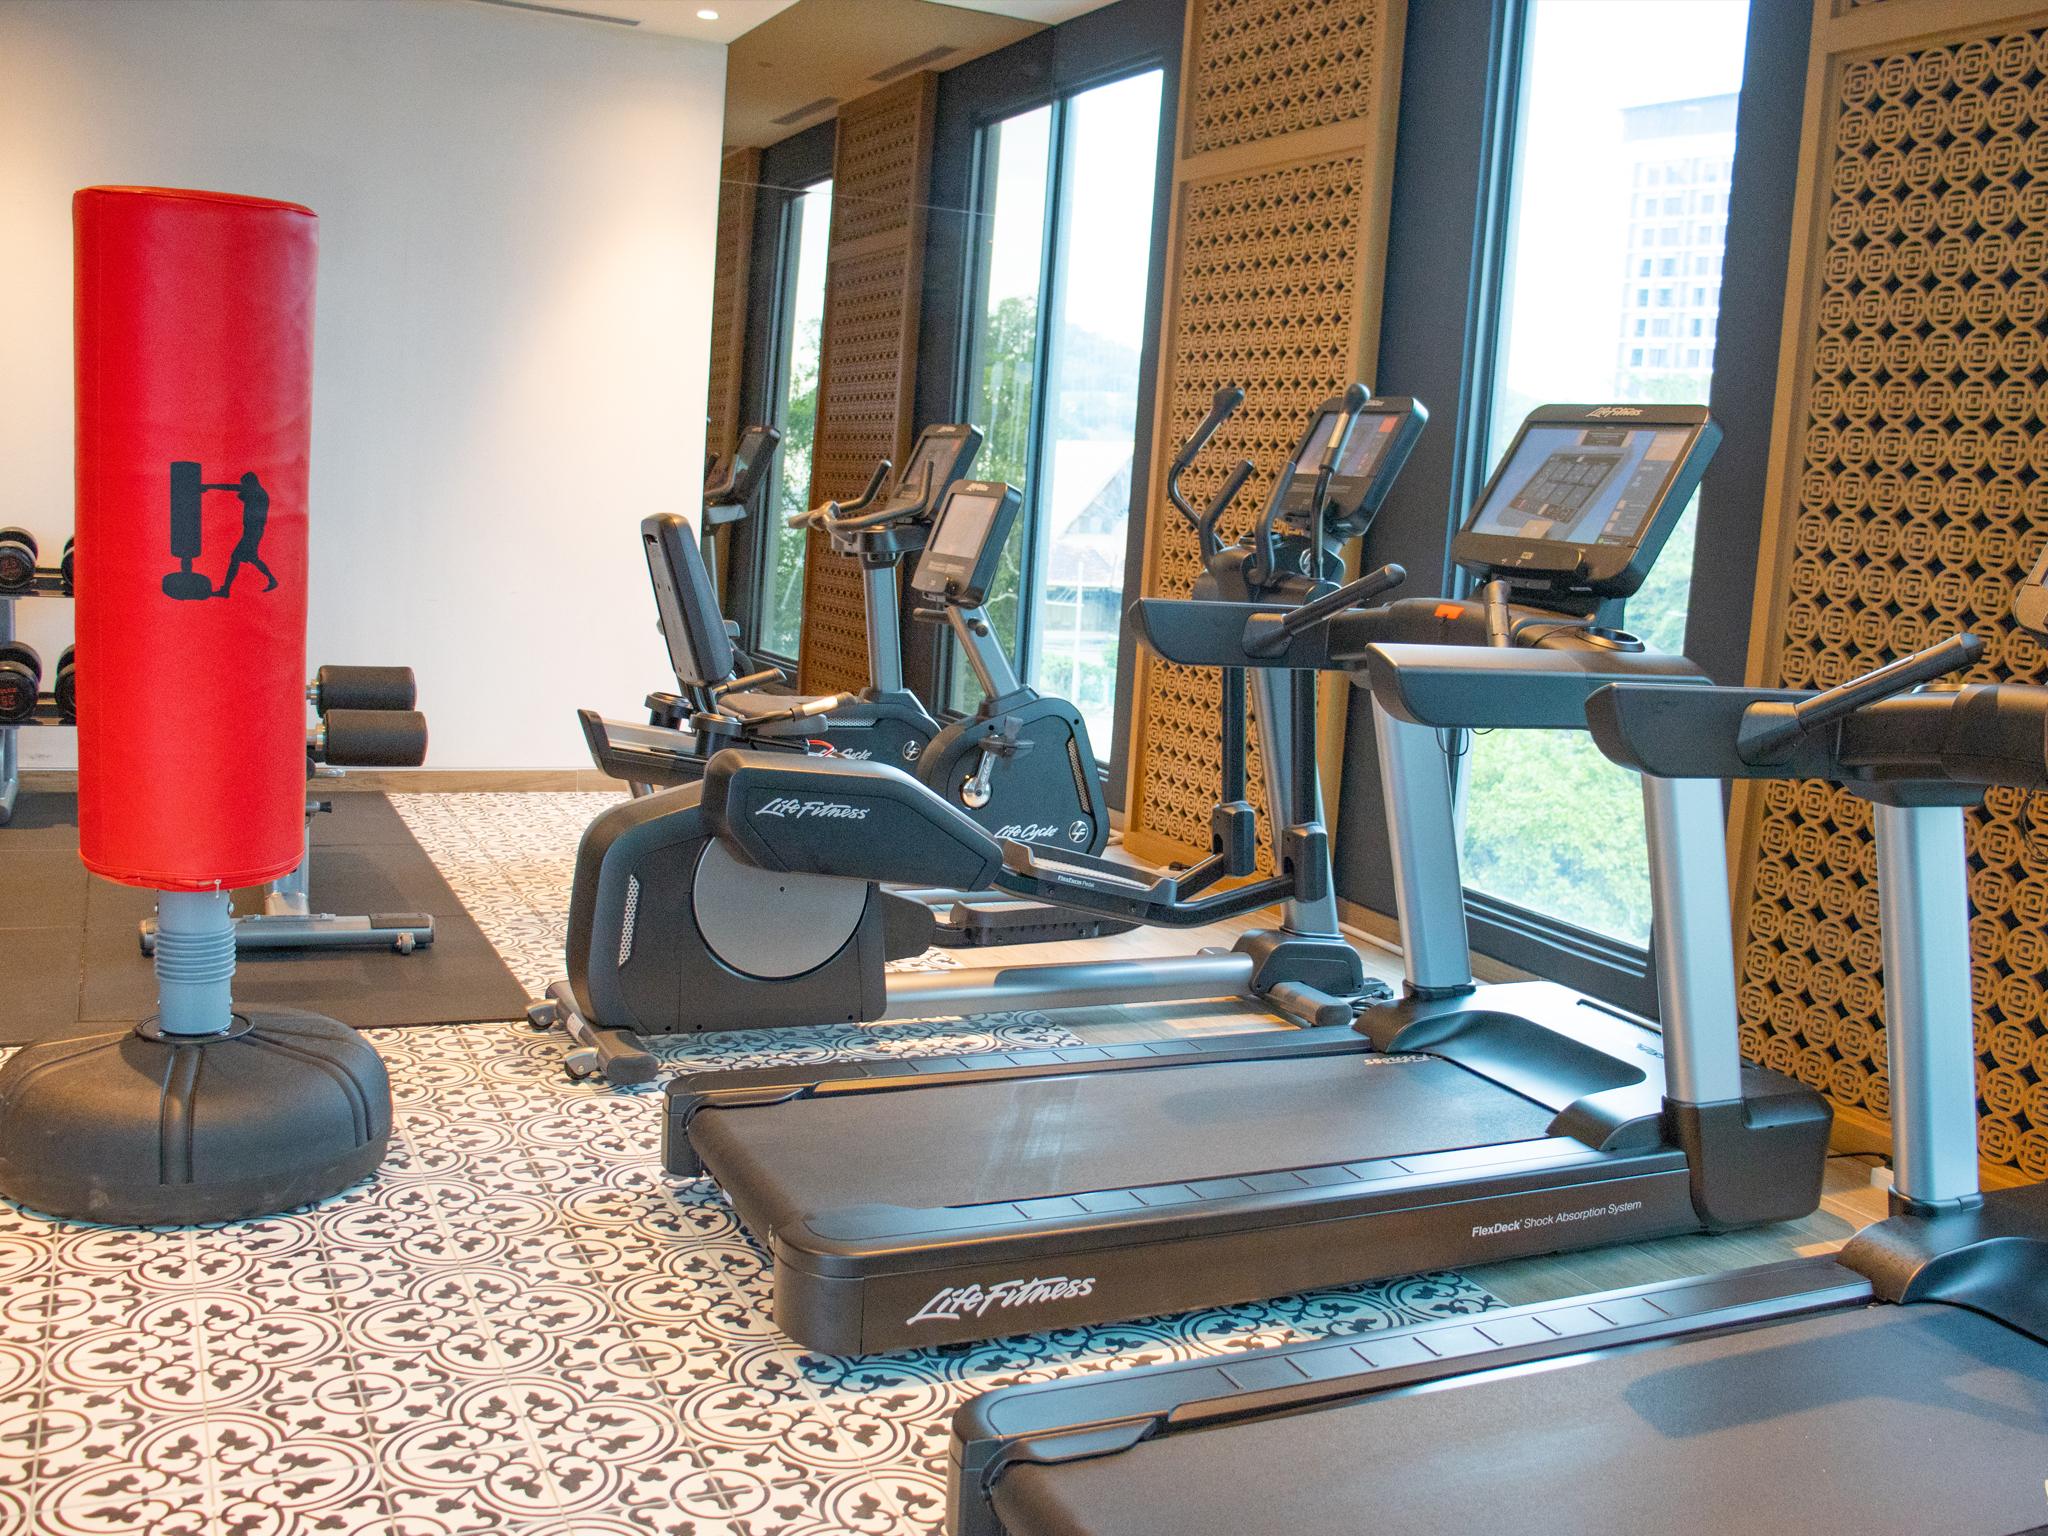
[{"x": 521, "y": 1325}]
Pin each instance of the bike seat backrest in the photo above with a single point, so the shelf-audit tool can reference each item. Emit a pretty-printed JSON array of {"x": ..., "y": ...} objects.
[
  {"x": 843, "y": 816},
  {"x": 698, "y": 647}
]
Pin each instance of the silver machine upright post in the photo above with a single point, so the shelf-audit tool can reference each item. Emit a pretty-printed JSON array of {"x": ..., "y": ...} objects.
[
  {"x": 1422, "y": 836},
  {"x": 1924, "y": 905},
  {"x": 1693, "y": 939},
  {"x": 992, "y": 669},
  {"x": 885, "y": 637}
]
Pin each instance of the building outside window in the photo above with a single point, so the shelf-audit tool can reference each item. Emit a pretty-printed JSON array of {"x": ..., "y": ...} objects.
[{"x": 1550, "y": 826}]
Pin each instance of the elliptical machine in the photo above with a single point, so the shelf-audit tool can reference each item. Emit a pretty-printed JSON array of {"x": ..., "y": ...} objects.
[{"x": 764, "y": 879}]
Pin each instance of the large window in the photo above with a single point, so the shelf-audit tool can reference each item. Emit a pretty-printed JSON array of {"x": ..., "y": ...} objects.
[
  {"x": 1624, "y": 144},
  {"x": 806, "y": 229},
  {"x": 1063, "y": 258}
]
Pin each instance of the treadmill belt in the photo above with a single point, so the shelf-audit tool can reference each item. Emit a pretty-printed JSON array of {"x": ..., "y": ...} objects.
[
  {"x": 1881, "y": 1421},
  {"x": 1024, "y": 1137}
]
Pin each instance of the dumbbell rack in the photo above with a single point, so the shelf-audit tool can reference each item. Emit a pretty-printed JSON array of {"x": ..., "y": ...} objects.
[{"x": 46, "y": 584}]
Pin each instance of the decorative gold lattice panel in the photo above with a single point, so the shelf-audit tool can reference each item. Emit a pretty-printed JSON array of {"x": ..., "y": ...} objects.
[
  {"x": 1263, "y": 68},
  {"x": 739, "y": 176},
  {"x": 1915, "y": 501},
  {"x": 874, "y": 280},
  {"x": 1267, "y": 301}
]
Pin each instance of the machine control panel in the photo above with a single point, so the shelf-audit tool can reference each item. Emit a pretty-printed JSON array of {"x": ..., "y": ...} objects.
[
  {"x": 1585, "y": 496},
  {"x": 960, "y": 557},
  {"x": 1383, "y": 432}
]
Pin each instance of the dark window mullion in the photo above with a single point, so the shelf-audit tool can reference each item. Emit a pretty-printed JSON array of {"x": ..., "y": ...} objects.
[
  {"x": 776, "y": 368},
  {"x": 1032, "y": 566}
]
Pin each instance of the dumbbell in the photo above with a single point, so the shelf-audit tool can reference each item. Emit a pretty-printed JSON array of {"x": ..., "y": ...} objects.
[
  {"x": 17, "y": 561},
  {"x": 364, "y": 688},
  {"x": 70, "y": 582},
  {"x": 21, "y": 681},
  {"x": 66, "y": 687}
]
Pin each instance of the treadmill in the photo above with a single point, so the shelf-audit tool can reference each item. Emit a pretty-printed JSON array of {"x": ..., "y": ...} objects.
[
  {"x": 930, "y": 1201},
  {"x": 1898, "y": 1387}
]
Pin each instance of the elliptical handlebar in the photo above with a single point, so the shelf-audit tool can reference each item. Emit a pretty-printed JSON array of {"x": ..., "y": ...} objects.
[
  {"x": 1221, "y": 408},
  {"x": 1205, "y": 526},
  {"x": 1769, "y": 730},
  {"x": 833, "y": 512},
  {"x": 895, "y": 510}
]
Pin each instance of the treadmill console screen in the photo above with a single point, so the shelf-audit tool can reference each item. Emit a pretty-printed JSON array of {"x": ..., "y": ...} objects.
[
  {"x": 1385, "y": 429},
  {"x": 966, "y": 544},
  {"x": 1586, "y": 496},
  {"x": 946, "y": 451}
]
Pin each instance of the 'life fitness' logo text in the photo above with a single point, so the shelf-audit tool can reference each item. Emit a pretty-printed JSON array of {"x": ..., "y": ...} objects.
[
  {"x": 958, "y": 1301},
  {"x": 791, "y": 807},
  {"x": 1614, "y": 410}
]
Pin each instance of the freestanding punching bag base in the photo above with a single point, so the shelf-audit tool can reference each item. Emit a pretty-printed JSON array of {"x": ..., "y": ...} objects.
[{"x": 135, "y": 1128}]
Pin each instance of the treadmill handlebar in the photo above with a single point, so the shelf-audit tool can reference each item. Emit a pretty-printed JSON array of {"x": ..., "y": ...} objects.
[
  {"x": 1940, "y": 746},
  {"x": 1266, "y": 633},
  {"x": 1771, "y": 728},
  {"x": 1476, "y": 687}
]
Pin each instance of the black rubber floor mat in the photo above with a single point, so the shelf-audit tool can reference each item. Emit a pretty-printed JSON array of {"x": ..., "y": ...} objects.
[{"x": 69, "y": 955}]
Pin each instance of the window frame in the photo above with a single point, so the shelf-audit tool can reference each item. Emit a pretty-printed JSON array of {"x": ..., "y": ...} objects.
[
  {"x": 789, "y": 169},
  {"x": 1118, "y": 41},
  {"x": 1453, "y": 191}
]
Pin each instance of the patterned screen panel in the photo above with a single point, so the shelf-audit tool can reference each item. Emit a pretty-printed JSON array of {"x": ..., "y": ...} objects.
[
  {"x": 873, "y": 284},
  {"x": 1263, "y": 68},
  {"x": 738, "y": 178},
  {"x": 1267, "y": 301},
  {"x": 1920, "y": 499}
]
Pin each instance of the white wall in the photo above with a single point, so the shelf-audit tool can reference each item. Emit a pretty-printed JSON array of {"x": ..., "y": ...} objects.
[{"x": 517, "y": 217}]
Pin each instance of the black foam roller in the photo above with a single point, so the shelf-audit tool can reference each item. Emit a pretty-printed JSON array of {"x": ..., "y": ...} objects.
[
  {"x": 375, "y": 738},
  {"x": 366, "y": 688}
]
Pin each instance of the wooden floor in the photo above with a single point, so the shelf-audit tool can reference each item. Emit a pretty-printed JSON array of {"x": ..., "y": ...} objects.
[{"x": 1849, "y": 1201}]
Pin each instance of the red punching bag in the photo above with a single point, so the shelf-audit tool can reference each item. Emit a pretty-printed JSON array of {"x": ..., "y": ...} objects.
[{"x": 194, "y": 390}]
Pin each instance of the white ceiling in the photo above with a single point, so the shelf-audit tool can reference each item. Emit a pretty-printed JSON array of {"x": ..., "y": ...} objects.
[
  {"x": 671, "y": 18},
  {"x": 1046, "y": 12},
  {"x": 678, "y": 18}
]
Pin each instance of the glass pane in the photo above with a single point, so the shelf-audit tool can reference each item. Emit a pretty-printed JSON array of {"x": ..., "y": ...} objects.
[
  {"x": 809, "y": 226},
  {"x": 1612, "y": 291},
  {"x": 1003, "y": 371},
  {"x": 1100, "y": 270}
]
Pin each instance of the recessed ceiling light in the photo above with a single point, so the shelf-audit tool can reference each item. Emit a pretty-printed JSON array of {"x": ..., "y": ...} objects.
[{"x": 707, "y": 15}]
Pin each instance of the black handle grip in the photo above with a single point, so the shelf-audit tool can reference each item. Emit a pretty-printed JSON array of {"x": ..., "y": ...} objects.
[
  {"x": 1221, "y": 407},
  {"x": 1264, "y": 637},
  {"x": 1769, "y": 730},
  {"x": 1205, "y": 527}
]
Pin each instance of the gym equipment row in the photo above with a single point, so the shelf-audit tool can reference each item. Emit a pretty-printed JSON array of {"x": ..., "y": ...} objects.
[
  {"x": 748, "y": 940},
  {"x": 1457, "y": 1124},
  {"x": 23, "y": 699}
]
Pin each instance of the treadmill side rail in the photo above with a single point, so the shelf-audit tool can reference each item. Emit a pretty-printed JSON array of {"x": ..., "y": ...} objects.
[{"x": 1070, "y": 1419}]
